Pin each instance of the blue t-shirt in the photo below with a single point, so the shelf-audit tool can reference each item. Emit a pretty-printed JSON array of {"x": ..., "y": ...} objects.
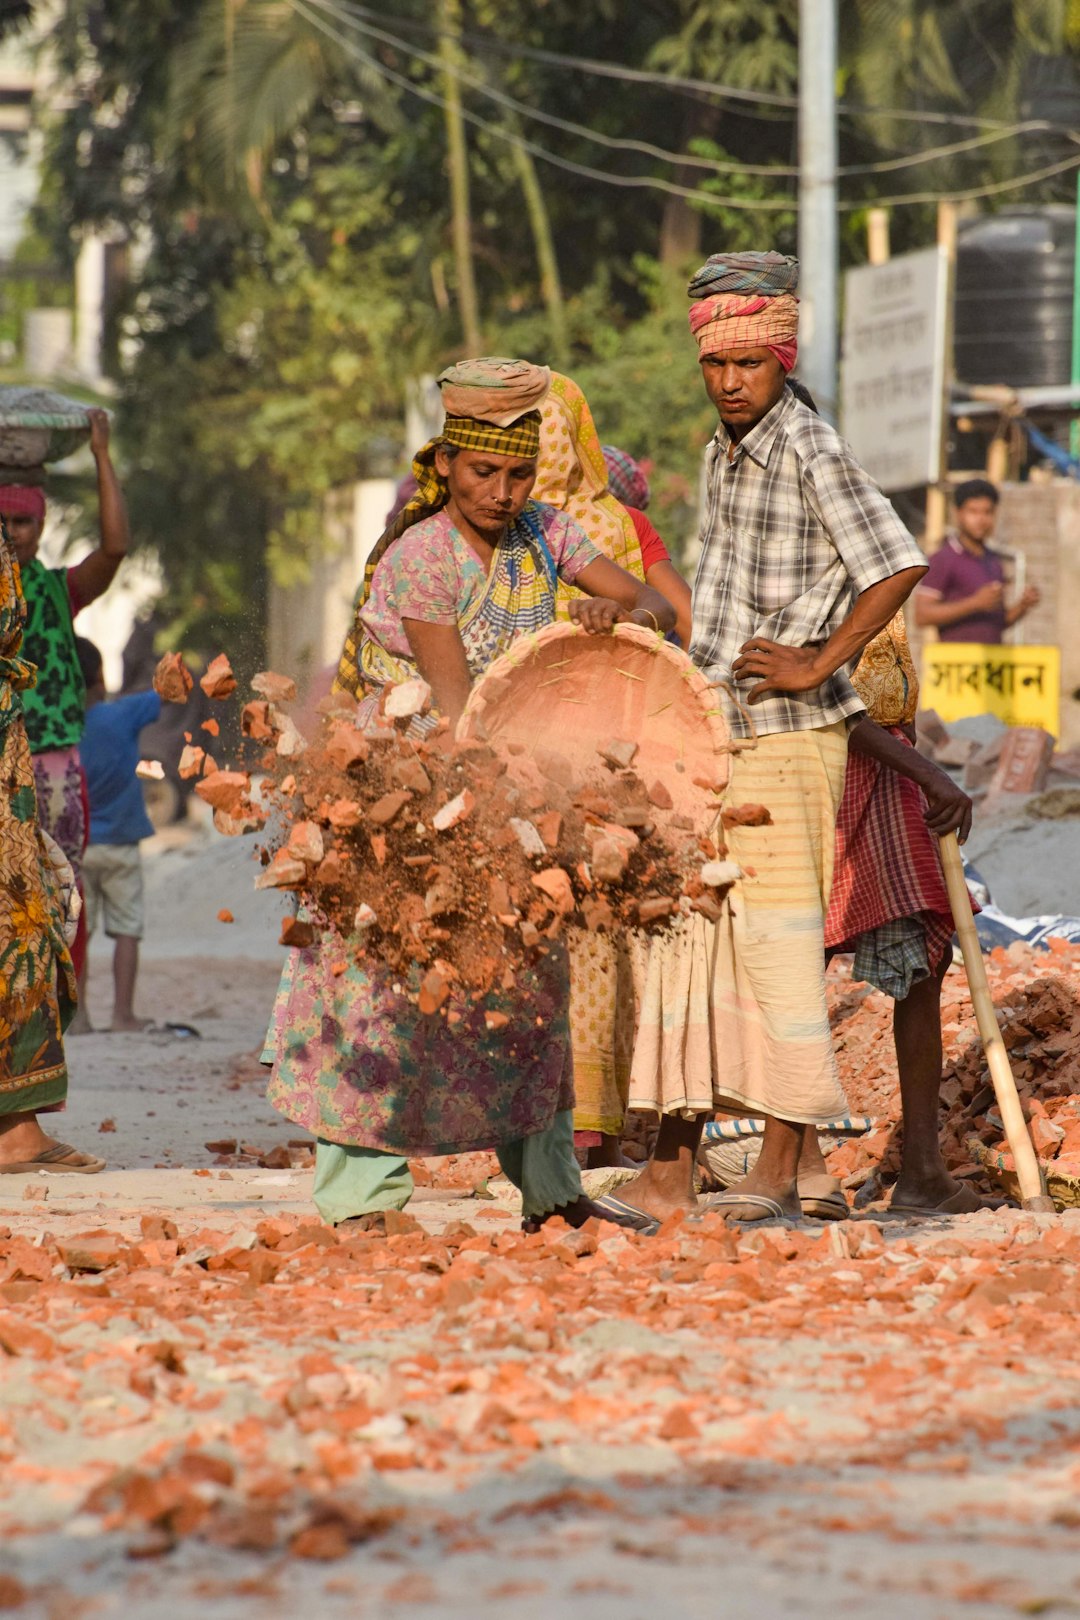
[{"x": 110, "y": 752}]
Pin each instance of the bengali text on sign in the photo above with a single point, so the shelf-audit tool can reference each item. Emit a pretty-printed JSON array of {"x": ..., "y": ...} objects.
[{"x": 1021, "y": 685}]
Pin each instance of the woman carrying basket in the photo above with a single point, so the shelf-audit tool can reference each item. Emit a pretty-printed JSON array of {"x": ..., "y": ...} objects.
[{"x": 468, "y": 566}]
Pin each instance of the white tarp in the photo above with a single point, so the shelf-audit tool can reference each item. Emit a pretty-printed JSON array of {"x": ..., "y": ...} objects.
[{"x": 893, "y": 370}]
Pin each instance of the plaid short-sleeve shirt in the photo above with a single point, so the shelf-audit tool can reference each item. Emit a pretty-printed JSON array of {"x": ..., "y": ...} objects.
[{"x": 794, "y": 530}]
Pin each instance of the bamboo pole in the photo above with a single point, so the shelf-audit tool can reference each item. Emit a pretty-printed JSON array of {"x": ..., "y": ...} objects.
[
  {"x": 1028, "y": 1171},
  {"x": 458, "y": 159}
]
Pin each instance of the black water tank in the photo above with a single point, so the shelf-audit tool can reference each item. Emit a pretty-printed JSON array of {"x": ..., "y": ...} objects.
[{"x": 1014, "y": 297}]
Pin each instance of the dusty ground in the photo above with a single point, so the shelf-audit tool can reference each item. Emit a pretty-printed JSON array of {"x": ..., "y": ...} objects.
[{"x": 246, "y": 1417}]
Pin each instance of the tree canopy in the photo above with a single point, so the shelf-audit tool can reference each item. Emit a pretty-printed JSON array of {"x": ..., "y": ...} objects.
[{"x": 324, "y": 198}]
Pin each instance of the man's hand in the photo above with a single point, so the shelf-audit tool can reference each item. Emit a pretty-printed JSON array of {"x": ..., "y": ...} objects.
[
  {"x": 785, "y": 669},
  {"x": 99, "y": 432},
  {"x": 948, "y": 806},
  {"x": 597, "y": 614},
  {"x": 987, "y": 599},
  {"x": 1028, "y": 599}
]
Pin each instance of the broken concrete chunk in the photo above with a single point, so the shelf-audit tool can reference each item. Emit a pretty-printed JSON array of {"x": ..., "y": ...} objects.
[
  {"x": 527, "y": 836},
  {"x": 655, "y": 909},
  {"x": 343, "y": 815},
  {"x": 291, "y": 741},
  {"x": 455, "y": 812},
  {"x": 364, "y": 919},
  {"x": 717, "y": 874},
  {"x": 191, "y": 761},
  {"x": 330, "y": 873},
  {"x": 555, "y": 883},
  {"x": 219, "y": 680},
  {"x": 407, "y": 699},
  {"x": 224, "y": 790},
  {"x": 255, "y": 722},
  {"x": 150, "y": 770},
  {"x": 275, "y": 688},
  {"x": 236, "y": 826},
  {"x": 618, "y": 754},
  {"x": 434, "y": 991},
  {"x": 345, "y": 746},
  {"x": 549, "y": 827},
  {"x": 746, "y": 815},
  {"x": 408, "y": 773},
  {"x": 286, "y": 871},
  {"x": 306, "y": 842},
  {"x": 172, "y": 679},
  {"x": 660, "y": 797},
  {"x": 388, "y": 808},
  {"x": 297, "y": 933},
  {"x": 444, "y": 894}
]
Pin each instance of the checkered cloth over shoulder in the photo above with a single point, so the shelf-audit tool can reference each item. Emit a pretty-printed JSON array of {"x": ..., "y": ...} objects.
[{"x": 794, "y": 530}]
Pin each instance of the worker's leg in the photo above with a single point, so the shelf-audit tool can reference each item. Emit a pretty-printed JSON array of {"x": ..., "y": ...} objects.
[{"x": 352, "y": 1181}]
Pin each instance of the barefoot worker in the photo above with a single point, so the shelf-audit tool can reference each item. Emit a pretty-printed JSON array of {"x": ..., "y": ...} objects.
[
  {"x": 469, "y": 565},
  {"x": 37, "y": 980},
  {"x": 889, "y": 905},
  {"x": 803, "y": 562}
]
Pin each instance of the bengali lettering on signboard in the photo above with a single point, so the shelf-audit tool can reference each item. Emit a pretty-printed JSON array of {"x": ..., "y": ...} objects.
[
  {"x": 893, "y": 370},
  {"x": 1021, "y": 685}
]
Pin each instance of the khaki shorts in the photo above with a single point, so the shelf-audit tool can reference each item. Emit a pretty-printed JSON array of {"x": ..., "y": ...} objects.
[{"x": 113, "y": 884}]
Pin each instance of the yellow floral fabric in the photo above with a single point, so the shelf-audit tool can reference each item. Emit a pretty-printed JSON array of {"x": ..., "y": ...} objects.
[
  {"x": 572, "y": 476},
  {"x": 885, "y": 677}
]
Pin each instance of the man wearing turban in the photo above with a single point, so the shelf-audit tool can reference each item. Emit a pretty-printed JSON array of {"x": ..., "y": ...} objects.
[{"x": 803, "y": 562}]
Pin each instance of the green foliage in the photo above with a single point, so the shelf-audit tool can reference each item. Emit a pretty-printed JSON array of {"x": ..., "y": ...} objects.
[{"x": 292, "y": 203}]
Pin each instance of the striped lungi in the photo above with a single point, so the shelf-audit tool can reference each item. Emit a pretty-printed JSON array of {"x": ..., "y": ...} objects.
[{"x": 733, "y": 1013}]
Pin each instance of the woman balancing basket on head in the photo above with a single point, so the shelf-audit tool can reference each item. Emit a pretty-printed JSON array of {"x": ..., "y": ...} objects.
[{"x": 469, "y": 566}]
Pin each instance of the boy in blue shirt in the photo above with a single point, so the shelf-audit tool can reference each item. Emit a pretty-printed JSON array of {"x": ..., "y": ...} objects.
[{"x": 112, "y": 867}]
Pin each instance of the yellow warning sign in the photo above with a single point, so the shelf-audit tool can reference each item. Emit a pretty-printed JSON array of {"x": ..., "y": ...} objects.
[{"x": 1021, "y": 685}]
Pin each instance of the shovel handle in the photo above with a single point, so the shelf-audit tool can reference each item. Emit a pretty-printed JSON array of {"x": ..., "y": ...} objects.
[{"x": 1028, "y": 1171}]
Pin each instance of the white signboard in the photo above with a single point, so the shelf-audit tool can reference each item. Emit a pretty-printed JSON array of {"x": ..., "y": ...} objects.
[{"x": 893, "y": 372}]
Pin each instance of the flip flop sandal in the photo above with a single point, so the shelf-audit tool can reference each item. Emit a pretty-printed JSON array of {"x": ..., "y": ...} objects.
[
  {"x": 51, "y": 1159},
  {"x": 772, "y": 1213},
  {"x": 959, "y": 1203},
  {"x": 820, "y": 1197},
  {"x": 635, "y": 1220}
]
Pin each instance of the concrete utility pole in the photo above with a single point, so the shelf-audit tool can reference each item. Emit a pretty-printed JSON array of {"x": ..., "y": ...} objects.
[{"x": 818, "y": 250}]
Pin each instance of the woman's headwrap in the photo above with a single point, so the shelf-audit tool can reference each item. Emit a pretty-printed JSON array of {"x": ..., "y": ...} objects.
[
  {"x": 626, "y": 478},
  {"x": 768, "y": 273},
  {"x": 735, "y": 321},
  {"x": 572, "y": 475},
  {"x": 490, "y": 405},
  {"x": 22, "y": 500}
]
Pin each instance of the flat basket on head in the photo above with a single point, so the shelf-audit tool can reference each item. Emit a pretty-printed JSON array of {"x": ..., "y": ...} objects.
[
  {"x": 570, "y": 702},
  {"x": 38, "y": 425}
]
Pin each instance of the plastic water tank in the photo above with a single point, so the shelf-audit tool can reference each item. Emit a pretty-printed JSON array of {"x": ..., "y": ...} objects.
[{"x": 1014, "y": 297}]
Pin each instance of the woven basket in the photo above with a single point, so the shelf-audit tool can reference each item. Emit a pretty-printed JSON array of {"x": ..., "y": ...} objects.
[
  {"x": 37, "y": 425},
  {"x": 560, "y": 697}
]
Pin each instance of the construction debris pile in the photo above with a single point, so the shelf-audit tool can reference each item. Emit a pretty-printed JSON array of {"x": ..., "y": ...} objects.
[
  {"x": 1036, "y": 997},
  {"x": 456, "y": 857}
]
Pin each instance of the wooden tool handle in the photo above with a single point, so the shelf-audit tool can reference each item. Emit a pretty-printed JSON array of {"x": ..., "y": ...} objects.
[{"x": 1028, "y": 1171}]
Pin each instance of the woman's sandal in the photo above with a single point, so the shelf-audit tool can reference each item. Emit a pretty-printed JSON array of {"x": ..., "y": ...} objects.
[{"x": 55, "y": 1160}]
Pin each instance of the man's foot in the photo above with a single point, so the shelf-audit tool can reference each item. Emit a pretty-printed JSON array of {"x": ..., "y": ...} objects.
[
  {"x": 129, "y": 1026},
  {"x": 80, "y": 1025},
  {"x": 962, "y": 1199},
  {"x": 650, "y": 1196},
  {"x": 576, "y": 1214},
  {"x": 753, "y": 1199}
]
